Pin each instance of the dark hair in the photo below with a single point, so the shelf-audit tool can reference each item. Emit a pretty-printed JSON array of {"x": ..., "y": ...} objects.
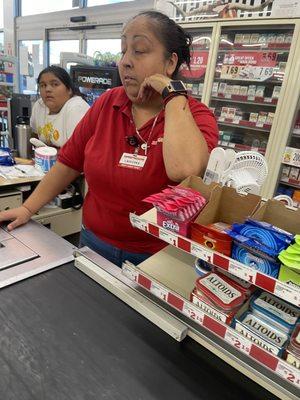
[
  {"x": 173, "y": 37},
  {"x": 63, "y": 76}
]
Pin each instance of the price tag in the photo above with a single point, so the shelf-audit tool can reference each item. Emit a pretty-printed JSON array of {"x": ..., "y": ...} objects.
[
  {"x": 235, "y": 120},
  {"x": 138, "y": 223},
  {"x": 231, "y": 145},
  {"x": 131, "y": 273},
  {"x": 227, "y": 96},
  {"x": 168, "y": 237},
  {"x": 251, "y": 98},
  {"x": 193, "y": 312},
  {"x": 159, "y": 291},
  {"x": 288, "y": 373},
  {"x": 221, "y": 119},
  {"x": 259, "y": 124},
  {"x": 238, "y": 341},
  {"x": 254, "y": 148},
  {"x": 284, "y": 291},
  {"x": 242, "y": 271},
  {"x": 268, "y": 99},
  {"x": 201, "y": 252},
  {"x": 246, "y": 72},
  {"x": 223, "y": 143}
]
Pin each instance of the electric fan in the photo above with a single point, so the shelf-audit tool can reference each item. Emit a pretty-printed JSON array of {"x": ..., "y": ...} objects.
[{"x": 247, "y": 173}]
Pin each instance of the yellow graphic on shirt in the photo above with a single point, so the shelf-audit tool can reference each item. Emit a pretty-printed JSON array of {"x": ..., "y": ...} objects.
[{"x": 47, "y": 133}]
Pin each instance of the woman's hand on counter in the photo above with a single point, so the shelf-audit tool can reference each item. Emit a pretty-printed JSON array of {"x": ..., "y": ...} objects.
[{"x": 18, "y": 216}]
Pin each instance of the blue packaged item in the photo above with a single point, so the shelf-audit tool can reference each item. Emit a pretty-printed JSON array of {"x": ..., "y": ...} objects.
[
  {"x": 284, "y": 235},
  {"x": 275, "y": 311},
  {"x": 260, "y": 332},
  {"x": 252, "y": 244},
  {"x": 260, "y": 262},
  {"x": 6, "y": 157},
  {"x": 265, "y": 234}
]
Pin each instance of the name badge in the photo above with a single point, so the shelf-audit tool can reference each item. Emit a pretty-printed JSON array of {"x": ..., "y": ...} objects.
[{"x": 133, "y": 161}]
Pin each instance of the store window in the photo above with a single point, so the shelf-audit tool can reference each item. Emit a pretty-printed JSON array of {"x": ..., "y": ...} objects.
[
  {"x": 57, "y": 46},
  {"x": 30, "y": 64},
  {"x": 31, "y": 7},
  {"x": 104, "y": 50},
  {"x": 91, "y": 3}
]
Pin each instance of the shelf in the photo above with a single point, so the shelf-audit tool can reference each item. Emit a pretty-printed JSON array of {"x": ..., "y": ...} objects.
[
  {"x": 274, "y": 82},
  {"x": 3, "y": 108},
  {"x": 268, "y": 101},
  {"x": 241, "y": 147},
  {"x": 262, "y": 47},
  {"x": 291, "y": 182},
  {"x": 168, "y": 275},
  {"x": 146, "y": 222},
  {"x": 245, "y": 125}
]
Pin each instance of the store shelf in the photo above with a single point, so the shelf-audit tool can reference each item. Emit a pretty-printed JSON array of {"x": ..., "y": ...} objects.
[
  {"x": 272, "y": 81},
  {"x": 244, "y": 124},
  {"x": 291, "y": 182},
  {"x": 171, "y": 280},
  {"x": 147, "y": 223},
  {"x": 260, "y": 47},
  {"x": 240, "y": 147},
  {"x": 234, "y": 98}
]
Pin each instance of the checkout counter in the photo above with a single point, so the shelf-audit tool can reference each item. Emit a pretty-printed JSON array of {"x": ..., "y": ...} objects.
[
  {"x": 63, "y": 221},
  {"x": 65, "y": 337}
]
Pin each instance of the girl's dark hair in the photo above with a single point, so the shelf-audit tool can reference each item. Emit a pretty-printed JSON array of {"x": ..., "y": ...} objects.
[
  {"x": 173, "y": 37},
  {"x": 63, "y": 76}
]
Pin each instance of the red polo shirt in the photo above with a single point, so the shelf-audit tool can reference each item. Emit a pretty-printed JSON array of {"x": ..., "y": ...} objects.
[{"x": 96, "y": 147}]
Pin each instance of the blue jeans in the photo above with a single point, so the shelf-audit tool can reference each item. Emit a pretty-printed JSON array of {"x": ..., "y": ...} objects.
[{"x": 114, "y": 254}]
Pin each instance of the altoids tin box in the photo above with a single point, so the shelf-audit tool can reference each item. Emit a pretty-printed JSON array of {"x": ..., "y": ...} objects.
[
  {"x": 275, "y": 311},
  {"x": 221, "y": 291},
  {"x": 261, "y": 333}
]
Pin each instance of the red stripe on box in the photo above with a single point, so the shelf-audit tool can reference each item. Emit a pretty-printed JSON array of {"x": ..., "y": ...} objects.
[
  {"x": 214, "y": 326},
  {"x": 262, "y": 356},
  {"x": 175, "y": 301},
  {"x": 145, "y": 282},
  {"x": 154, "y": 230},
  {"x": 265, "y": 282},
  {"x": 184, "y": 245},
  {"x": 220, "y": 261}
]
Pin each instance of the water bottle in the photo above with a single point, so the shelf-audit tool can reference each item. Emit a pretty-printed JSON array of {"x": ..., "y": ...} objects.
[{"x": 23, "y": 135}]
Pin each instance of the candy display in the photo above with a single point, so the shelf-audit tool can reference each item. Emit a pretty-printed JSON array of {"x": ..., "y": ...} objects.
[{"x": 176, "y": 207}]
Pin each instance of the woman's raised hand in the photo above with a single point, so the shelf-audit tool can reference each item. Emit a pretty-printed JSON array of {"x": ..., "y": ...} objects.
[{"x": 152, "y": 85}]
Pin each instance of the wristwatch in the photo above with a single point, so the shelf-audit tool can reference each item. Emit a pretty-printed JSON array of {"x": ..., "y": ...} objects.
[{"x": 174, "y": 87}]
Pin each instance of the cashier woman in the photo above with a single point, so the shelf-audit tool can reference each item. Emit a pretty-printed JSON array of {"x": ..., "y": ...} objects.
[
  {"x": 58, "y": 111},
  {"x": 134, "y": 141}
]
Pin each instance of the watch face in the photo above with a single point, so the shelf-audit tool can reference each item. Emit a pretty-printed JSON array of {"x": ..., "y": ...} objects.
[{"x": 178, "y": 85}]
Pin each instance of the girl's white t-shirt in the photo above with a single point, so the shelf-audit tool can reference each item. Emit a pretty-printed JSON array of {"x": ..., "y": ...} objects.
[{"x": 55, "y": 129}]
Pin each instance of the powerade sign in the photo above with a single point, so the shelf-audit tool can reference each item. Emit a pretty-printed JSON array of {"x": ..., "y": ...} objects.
[{"x": 97, "y": 79}]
